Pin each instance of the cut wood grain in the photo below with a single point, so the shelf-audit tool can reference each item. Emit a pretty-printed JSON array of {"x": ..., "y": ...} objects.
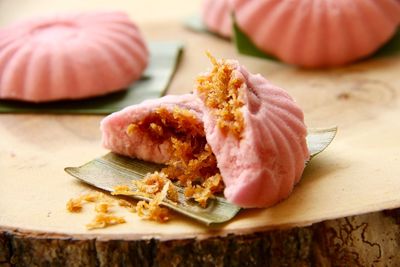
[{"x": 362, "y": 240}]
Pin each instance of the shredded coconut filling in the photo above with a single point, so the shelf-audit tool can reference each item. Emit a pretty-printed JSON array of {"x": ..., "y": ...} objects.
[
  {"x": 219, "y": 90},
  {"x": 193, "y": 164}
]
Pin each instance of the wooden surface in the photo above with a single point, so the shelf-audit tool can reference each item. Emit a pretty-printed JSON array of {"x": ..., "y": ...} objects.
[
  {"x": 362, "y": 240},
  {"x": 357, "y": 174}
]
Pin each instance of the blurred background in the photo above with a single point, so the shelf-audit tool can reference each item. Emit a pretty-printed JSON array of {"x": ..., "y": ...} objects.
[{"x": 141, "y": 11}]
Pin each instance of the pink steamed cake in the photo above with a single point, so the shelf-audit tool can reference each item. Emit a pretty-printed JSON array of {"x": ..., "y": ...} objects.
[
  {"x": 116, "y": 136},
  {"x": 70, "y": 56},
  {"x": 318, "y": 33},
  {"x": 216, "y": 15},
  {"x": 255, "y": 130},
  {"x": 261, "y": 165}
]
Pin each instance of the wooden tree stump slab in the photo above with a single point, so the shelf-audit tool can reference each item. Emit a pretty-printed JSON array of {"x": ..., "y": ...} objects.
[
  {"x": 335, "y": 217},
  {"x": 363, "y": 240}
]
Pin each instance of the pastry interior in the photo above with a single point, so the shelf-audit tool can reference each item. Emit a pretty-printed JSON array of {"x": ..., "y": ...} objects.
[
  {"x": 193, "y": 164},
  {"x": 220, "y": 92}
]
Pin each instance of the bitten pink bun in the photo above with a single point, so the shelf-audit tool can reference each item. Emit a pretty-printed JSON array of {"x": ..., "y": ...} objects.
[
  {"x": 318, "y": 33},
  {"x": 70, "y": 56},
  {"x": 254, "y": 130},
  {"x": 115, "y": 128},
  {"x": 260, "y": 163},
  {"x": 216, "y": 15}
]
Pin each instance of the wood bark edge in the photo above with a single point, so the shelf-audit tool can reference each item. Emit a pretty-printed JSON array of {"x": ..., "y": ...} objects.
[{"x": 364, "y": 240}]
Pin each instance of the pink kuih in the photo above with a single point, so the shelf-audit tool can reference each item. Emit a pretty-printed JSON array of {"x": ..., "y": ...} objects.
[
  {"x": 318, "y": 33},
  {"x": 139, "y": 131},
  {"x": 256, "y": 131},
  {"x": 237, "y": 126},
  {"x": 70, "y": 56},
  {"x": 216, "y": 15}
]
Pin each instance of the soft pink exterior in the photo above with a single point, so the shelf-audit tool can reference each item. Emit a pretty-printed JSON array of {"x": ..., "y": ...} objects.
[
  {"x": 115, "y": 138},
  {"x": 262, "y": 167},
  {"x": 216, "y": 15},
  {"x": 70, "y": 56},
  {"x": 318, "y": 33}
]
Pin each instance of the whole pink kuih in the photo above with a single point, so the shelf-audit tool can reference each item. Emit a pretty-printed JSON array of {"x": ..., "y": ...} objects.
[
  {"x": 216, "y": 15},
  {"x": 119, "y": 137},
  {"x": 70, "y": 56},
  {"x": 256, "y": 131},
  {"x": 318, "y": 33}
]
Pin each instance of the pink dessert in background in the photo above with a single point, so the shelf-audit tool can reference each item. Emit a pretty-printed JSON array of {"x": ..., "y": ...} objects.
[
  {"x": 318, "y": 33},
  {"x": 70, "y": 56},
  {"x": 260, "y": 168},
  {"x": 216, "y": 15},
  {"x": 116, "y": 138}
]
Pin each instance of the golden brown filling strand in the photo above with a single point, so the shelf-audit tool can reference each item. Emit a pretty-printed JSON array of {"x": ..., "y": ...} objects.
[
  {"x": 103, "y": 203},
  {"x": 221, "y": 95},
  {"x": 192, "y": 165}
]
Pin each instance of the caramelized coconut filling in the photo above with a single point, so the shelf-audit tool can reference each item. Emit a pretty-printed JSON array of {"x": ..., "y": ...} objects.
[
  {"x": 219, "y": 90},
  {"x": 193, "y": 164}
]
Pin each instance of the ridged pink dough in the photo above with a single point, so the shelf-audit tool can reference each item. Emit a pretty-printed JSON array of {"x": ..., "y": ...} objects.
[
  {"x": 116, "y": 138},
  {"x": 318, "y": 33},
  {"x": 216, "y": 15},
  {"x": 70, "y": 56},
  {"x": 260, "y": 168}
]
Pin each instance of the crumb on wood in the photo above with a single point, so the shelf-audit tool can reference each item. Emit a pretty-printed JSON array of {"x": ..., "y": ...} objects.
[{"x": 103, "y": 220}]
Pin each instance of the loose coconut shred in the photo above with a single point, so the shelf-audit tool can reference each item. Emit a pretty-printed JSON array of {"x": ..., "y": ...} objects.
[
  {"x": 193, "y": 164},
  {"x": 102, "y": 208},
  {"x": 155, "y": 186}
]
